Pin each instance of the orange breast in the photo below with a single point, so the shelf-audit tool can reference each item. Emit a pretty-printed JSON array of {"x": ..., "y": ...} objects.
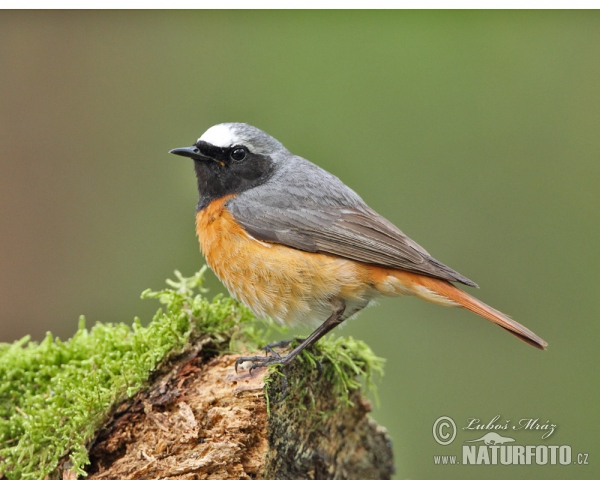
[{"x": 283, "y": 283}]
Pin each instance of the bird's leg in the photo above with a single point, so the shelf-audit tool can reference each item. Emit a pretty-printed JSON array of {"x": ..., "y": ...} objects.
[
  {"x": 270, "y": 347},
  {"x": 333, "y": 321}
]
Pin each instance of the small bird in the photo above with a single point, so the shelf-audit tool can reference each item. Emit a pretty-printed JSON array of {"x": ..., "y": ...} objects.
[{"x": 294, "y": 243}]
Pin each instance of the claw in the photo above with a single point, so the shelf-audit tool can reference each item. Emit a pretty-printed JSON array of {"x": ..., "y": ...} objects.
[
  {"x": 259, "y": 361},
  {"x": 275, "y": 358}
]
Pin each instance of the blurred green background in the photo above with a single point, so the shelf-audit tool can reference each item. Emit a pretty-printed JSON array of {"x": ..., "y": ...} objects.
[{"x": 477, "y": 133}]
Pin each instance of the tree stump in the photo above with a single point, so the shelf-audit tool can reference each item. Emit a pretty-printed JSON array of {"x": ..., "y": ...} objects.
[{"x": 202, "y": 420}]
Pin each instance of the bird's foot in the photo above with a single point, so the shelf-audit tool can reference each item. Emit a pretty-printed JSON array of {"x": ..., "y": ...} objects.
[
  {"x": 272, "y": 357},
  {"x": 275, "y": 358},
  {"x": 260, "y": 361},
  {"x": 270, "y": 348}
]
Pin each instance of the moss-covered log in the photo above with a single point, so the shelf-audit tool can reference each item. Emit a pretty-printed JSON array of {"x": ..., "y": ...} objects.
[
  {"x": 212, "y": 423},
  {"x": 160, "y": 401}
]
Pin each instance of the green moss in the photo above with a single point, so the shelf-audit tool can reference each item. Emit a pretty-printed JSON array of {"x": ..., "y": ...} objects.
[
  {"x": 341, "y": 363},
  {"x": 54, "y": 395}
]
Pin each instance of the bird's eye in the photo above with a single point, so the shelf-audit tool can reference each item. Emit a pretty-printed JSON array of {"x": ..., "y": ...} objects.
[{"x": 238, "y": 154}]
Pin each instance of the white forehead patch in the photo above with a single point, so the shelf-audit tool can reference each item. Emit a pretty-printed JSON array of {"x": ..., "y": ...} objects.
[{"x": 220, "y": 136}]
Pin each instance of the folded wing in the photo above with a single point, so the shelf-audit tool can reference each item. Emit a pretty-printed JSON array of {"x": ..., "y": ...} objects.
[{"x": 352, "y": 231}]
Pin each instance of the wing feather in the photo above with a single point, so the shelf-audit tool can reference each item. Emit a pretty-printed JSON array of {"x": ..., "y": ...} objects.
[{"x": 328, "y": 217}]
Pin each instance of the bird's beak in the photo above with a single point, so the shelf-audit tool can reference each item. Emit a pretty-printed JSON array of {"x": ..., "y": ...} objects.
[{"x": 191, "y": 152}]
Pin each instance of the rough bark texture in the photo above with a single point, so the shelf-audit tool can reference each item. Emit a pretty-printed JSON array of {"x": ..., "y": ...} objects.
[{"x": 204, "y": 421}]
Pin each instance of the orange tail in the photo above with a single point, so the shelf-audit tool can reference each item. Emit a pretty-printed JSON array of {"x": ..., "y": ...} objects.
[{"x": 440, "y": 291}]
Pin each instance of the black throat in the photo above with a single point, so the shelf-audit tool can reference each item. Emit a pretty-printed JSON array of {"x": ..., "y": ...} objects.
[{"x": 220, "y": 175}]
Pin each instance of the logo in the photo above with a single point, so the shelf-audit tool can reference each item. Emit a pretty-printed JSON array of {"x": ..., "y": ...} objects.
[
  {"x": 493, "y": 448},
  {"x": 444, "y": 430},
  {"x": 493, "y": 438}
]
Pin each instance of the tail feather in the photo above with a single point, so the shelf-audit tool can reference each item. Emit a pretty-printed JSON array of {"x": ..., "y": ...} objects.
[
  {"x": 426, "y": 286},
  {"x": 499, "y": 318}
]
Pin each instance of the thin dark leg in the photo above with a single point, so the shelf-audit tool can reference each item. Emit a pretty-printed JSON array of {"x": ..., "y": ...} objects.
[{"x": 333, "y": 321}]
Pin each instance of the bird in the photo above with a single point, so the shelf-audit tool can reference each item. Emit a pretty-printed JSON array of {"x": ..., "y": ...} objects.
[{"x": 292, "y": 242}]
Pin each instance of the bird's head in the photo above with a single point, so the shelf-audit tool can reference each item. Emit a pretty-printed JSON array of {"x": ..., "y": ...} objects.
[{"x": 230, "y": 158}]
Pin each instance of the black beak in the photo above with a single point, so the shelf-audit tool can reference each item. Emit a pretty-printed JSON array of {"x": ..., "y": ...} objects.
[{"x": 191, "y": 152}]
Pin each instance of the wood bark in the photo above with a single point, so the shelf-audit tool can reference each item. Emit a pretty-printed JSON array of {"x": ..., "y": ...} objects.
[{"x": 202, "y": 420}]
